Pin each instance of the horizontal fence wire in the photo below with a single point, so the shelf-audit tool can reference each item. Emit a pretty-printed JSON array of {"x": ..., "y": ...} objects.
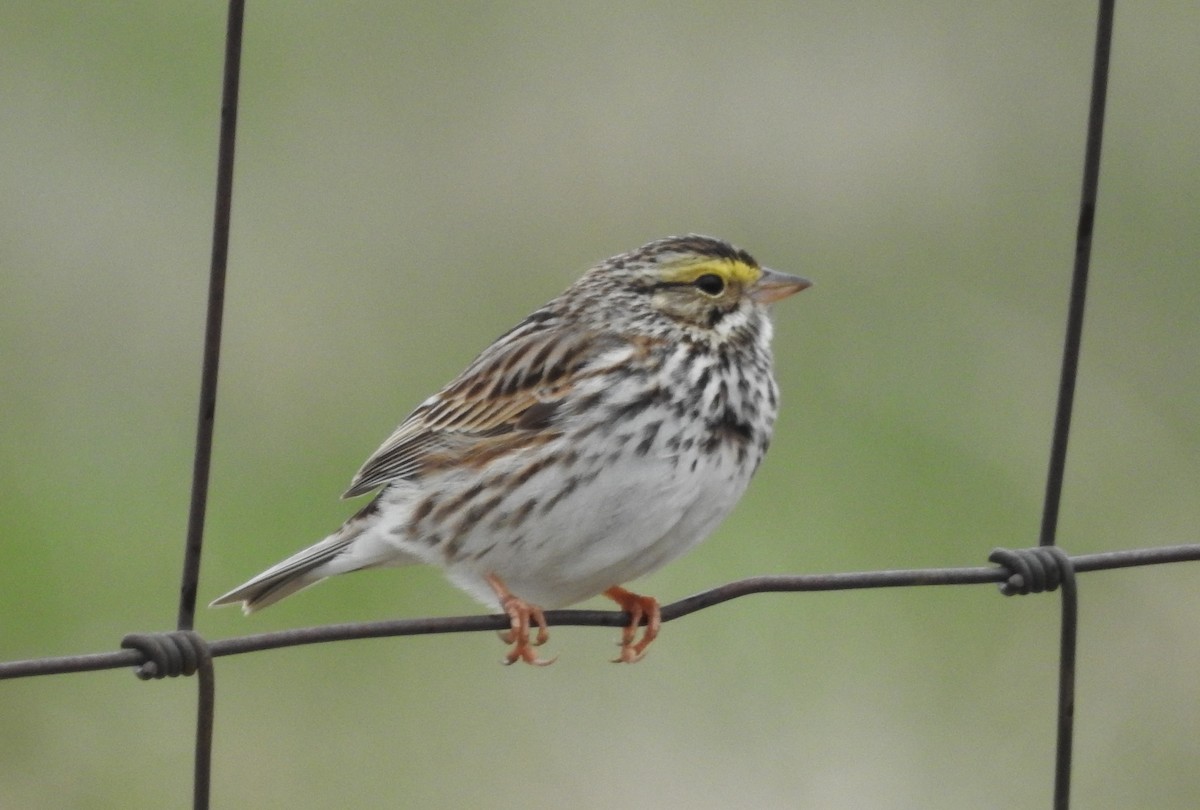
[
  {"x": 183, "y": 652},
  {"x": 781, "y": 583}
]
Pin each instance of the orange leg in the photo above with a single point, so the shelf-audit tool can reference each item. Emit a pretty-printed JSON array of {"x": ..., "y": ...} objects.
[
  {"x": 520, "y": 613},
  {"x": 638, "y": 607}
]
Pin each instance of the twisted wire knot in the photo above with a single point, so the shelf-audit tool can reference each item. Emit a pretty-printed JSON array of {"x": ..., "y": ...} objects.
[
  {"x": 168, "y": 655},
  {"x": 1031, "y": 570}
]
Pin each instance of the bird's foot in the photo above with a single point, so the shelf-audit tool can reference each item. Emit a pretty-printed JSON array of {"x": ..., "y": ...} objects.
[
  {"x": 638, "y": 607},
  {"x": 521, "y": 614}
]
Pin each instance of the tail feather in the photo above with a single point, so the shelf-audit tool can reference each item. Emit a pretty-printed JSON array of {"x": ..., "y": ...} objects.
[
  {"x": 360, "y": 543},
  {"x": 307, "y": 567}
]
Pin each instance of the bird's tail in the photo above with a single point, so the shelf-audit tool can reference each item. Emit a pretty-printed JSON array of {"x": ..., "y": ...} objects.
[{"x": 351, "y": 548}]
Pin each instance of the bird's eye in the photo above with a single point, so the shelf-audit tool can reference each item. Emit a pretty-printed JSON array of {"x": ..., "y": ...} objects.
[{"x": 710, "y": 284}]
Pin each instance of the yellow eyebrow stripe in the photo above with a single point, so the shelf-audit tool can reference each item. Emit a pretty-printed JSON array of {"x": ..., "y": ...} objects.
[{"x": 686, "y": 272}]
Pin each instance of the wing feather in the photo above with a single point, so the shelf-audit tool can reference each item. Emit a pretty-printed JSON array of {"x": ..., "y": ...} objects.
[{"x": 527, "y": 371}]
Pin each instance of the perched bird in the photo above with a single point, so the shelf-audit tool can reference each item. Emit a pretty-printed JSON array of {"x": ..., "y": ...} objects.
[{"x": 598, "y": 439}]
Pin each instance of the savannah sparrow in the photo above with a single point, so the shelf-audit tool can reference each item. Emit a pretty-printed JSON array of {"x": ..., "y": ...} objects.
[{"x": 598, "y": 439}]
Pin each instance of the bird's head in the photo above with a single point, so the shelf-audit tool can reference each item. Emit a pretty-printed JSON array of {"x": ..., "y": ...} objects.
[{"x": 696, "y": 281}]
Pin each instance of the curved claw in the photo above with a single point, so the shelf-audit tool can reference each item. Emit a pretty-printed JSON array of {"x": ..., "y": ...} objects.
[
  {"x": 527, "y": 655},
  {"x": 628, "y": 655},
  {"x": 521, "y": 614},
  {"x": 638, "y": 607},
  {"x": 508, "y": 638}
]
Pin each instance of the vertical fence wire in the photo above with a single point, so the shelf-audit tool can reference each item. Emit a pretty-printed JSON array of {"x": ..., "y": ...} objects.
[
  {"x": 1079, "y": 277},
  {"x": 206, "y": 416},
  {"x": 207, "y": 410},
  {"x": 1064, "y": 745},
  {"x": 206, "y": 705}
]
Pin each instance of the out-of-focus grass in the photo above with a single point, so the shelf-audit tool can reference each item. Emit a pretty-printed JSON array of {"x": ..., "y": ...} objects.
[{"x": 410, "y": 182}]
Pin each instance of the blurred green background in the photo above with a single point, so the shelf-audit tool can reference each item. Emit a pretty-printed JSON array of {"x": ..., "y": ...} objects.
[{"x": 411, "y": 180}]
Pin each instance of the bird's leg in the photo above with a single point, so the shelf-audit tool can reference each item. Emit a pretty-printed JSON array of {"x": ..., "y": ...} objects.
[
  {"x": 520, "y": 613},
  {"x": 638, "y": 607}
]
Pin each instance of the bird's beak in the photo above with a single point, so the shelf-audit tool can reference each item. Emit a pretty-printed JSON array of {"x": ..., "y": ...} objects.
[{"x": 773, "y": 285}]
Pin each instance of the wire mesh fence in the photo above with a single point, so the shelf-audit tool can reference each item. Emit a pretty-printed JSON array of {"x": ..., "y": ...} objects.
[{"x": 1045, "y": 568}]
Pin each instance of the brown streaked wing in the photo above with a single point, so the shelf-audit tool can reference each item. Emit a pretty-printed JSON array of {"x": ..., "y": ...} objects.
[{"x": 515, "y": 385}]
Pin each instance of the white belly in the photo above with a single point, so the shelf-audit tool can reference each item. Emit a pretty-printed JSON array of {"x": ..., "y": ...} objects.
[{"x": 635, "y": 516}]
